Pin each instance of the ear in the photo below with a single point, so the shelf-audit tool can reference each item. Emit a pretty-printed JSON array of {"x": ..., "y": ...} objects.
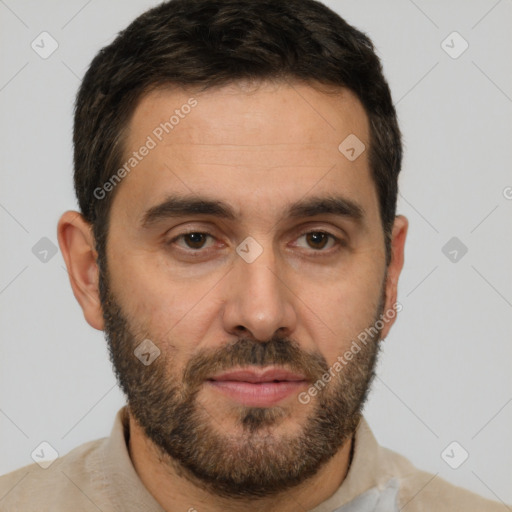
[
  {"x": 396, "y": 263},
  {"x": 76, "y": 241}
]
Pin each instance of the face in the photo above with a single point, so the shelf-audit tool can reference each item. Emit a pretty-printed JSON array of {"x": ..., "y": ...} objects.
[{"x": 243, "y": 239}]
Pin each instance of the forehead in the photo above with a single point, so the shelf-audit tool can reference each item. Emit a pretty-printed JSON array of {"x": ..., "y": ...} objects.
[
  {"x": 252, "y": 114},
  {"x": 271, "y": 142}
]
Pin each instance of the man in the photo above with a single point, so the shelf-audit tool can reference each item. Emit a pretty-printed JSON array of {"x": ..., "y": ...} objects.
[{"x": 236, "y": 167}]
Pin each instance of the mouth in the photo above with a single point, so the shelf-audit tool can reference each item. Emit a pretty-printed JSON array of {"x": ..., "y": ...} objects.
[{"x": 258, "y": 387}]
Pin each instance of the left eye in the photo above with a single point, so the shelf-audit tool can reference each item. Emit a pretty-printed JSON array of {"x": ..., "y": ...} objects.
[
  {"x": 194, "y": 240},
  {"x": 318, "y": 240}
]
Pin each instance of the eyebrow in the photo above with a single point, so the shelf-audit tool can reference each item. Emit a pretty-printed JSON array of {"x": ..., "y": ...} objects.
[{"x": 182, "y": 206}]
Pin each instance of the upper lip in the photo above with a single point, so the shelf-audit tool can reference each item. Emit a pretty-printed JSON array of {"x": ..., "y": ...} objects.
[{"x": 260, "y": 375}]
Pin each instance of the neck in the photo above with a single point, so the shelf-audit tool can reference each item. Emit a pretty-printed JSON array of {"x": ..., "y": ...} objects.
[{"x": 175, "y": 490}]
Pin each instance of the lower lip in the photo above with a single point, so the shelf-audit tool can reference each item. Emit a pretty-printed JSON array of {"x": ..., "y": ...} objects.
[{"x": 257, "y": 394}]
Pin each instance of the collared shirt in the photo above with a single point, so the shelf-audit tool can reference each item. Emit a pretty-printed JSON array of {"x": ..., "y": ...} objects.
[{"x": 99, "y": 475}]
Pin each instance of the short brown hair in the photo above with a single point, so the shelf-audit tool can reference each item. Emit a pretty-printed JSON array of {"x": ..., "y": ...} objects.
[{"x": 210, "y": 43}]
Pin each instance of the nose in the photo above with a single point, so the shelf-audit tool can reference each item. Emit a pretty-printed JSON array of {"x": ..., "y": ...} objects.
[{"x": 260, "y": 301}]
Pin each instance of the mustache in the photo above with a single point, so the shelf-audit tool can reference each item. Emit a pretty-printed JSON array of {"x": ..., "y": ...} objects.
[{"x": 248, "y": 352}]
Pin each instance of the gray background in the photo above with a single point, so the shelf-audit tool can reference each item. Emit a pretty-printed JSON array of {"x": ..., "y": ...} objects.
[{"x": 444, "y": 374}]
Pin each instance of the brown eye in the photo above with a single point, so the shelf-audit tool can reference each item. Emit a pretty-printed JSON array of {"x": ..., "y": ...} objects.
[
  {"x": 317, "y": 240},
  {"x": 195, "y": 240}
]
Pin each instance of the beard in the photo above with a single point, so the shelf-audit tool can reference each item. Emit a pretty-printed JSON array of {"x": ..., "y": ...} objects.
[{"x": 254, "y": 462}]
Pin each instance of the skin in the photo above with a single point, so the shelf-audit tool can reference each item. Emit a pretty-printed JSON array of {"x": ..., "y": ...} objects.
[{"x": 259, "y": 149}]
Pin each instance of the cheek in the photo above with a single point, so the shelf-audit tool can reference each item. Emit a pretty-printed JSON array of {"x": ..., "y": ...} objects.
[
  {"x": 174, "y": 314},
  {"x": 346, "y": 308}
]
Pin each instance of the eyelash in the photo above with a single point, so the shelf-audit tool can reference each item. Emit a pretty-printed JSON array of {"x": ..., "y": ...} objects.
[{"x": 338, "y": 242}]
